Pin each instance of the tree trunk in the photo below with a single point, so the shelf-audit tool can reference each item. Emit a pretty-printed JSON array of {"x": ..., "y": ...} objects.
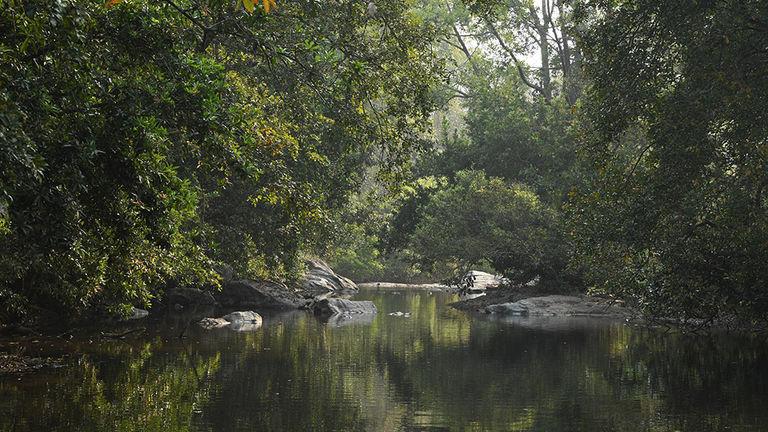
[{"x": 542, "y": 28}]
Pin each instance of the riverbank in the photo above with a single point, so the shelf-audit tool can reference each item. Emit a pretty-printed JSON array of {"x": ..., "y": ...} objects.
[
  {"x": 532, "y": 301},
  {"x": 498, "y": 296}
]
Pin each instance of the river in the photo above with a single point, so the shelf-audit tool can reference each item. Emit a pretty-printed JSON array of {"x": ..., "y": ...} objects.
[{"x": 438, "y": 369}]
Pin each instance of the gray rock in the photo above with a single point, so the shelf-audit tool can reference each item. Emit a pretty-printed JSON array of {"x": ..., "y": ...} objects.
[
  {"x": 259, "y": 295},
  {"x": 243, "y": 317},
  {"x": 560, "y": 305},
  {"x": 320, "y": 278},
  {"x": 137, "y": 313},
  {"x": 189, "y": 297},
  {"x": 339, "y": 306},
  {"x": 213, "y": 323}
]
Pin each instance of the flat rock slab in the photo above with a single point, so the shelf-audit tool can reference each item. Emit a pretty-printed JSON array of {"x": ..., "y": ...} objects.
[
  {"x": 339, "y": 306},
  {"x": 560, "y": 305}
]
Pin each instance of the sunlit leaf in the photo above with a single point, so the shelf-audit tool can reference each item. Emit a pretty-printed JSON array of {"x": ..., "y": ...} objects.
[
  {"x": 269, "y": 4},
  {"x": 248, "y": 5}
]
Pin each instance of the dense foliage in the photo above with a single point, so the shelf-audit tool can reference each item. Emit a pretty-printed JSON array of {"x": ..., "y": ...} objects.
[
  {"x": 511, "y": 125},
  {"x": 147, "y": 143},
  {"x": 604, "y": 145},
  {"x": 479, "y": 220},
  {"x": 674, "y": 212}
]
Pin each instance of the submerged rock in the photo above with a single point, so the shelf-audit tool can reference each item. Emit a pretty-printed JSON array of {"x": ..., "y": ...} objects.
[
  {"x": 259, "y": 295},
  {"x": 560, "y": 305},
  {"x": 339, "y": 306},
  {"x": 320, "y": 278}
]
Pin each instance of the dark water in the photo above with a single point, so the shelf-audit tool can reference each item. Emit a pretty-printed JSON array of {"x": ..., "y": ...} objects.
[{"x": 438, "y": 370}]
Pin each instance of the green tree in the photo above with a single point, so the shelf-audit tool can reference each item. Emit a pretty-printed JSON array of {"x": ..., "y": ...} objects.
[
  {"x": 480, "y": 220},
  {"x": 146, "y": 141},
  {"x": 674, "y": 212}
]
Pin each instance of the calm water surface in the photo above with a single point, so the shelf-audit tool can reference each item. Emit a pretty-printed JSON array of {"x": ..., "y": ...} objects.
[{"x": 438, "y": 370}]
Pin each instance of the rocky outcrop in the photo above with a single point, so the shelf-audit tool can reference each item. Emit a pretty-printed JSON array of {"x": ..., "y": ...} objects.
[
  {"x": 320, "y": 279},
  {"x": 259, "y": 295},
  {"x": 238, "y": 321},
  {"x": 560, "y": 305},
  {"x": 339, "y": 306}
]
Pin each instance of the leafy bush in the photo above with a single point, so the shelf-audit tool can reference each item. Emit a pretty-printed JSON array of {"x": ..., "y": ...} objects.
[{"x": 479, "y": 220}]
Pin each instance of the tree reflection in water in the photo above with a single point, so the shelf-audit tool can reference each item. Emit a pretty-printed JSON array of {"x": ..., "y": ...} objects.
[{"x": 439, "y": 369}]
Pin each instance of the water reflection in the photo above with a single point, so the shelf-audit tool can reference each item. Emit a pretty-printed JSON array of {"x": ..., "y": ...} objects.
[{"x": 438, "y": 369}]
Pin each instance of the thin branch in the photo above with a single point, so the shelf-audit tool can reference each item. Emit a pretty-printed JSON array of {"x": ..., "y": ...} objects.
[
  {"x": 194, "y": 20},
  {"x": 512, "y": 54},
  {"x": 465, "y": 49}
]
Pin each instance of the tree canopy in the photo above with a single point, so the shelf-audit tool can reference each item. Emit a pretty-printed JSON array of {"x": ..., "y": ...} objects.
[
  {"x": 146, "y": 143},
  {"x": 615, "y": 148}
]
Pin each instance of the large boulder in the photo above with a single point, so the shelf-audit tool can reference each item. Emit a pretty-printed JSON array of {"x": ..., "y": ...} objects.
[
  {"x": 320, "y": 278},
  {"x": 259, "y": 295},
  {"x": 339, "y": 306},
  {"x": 560, "y": 305}
]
